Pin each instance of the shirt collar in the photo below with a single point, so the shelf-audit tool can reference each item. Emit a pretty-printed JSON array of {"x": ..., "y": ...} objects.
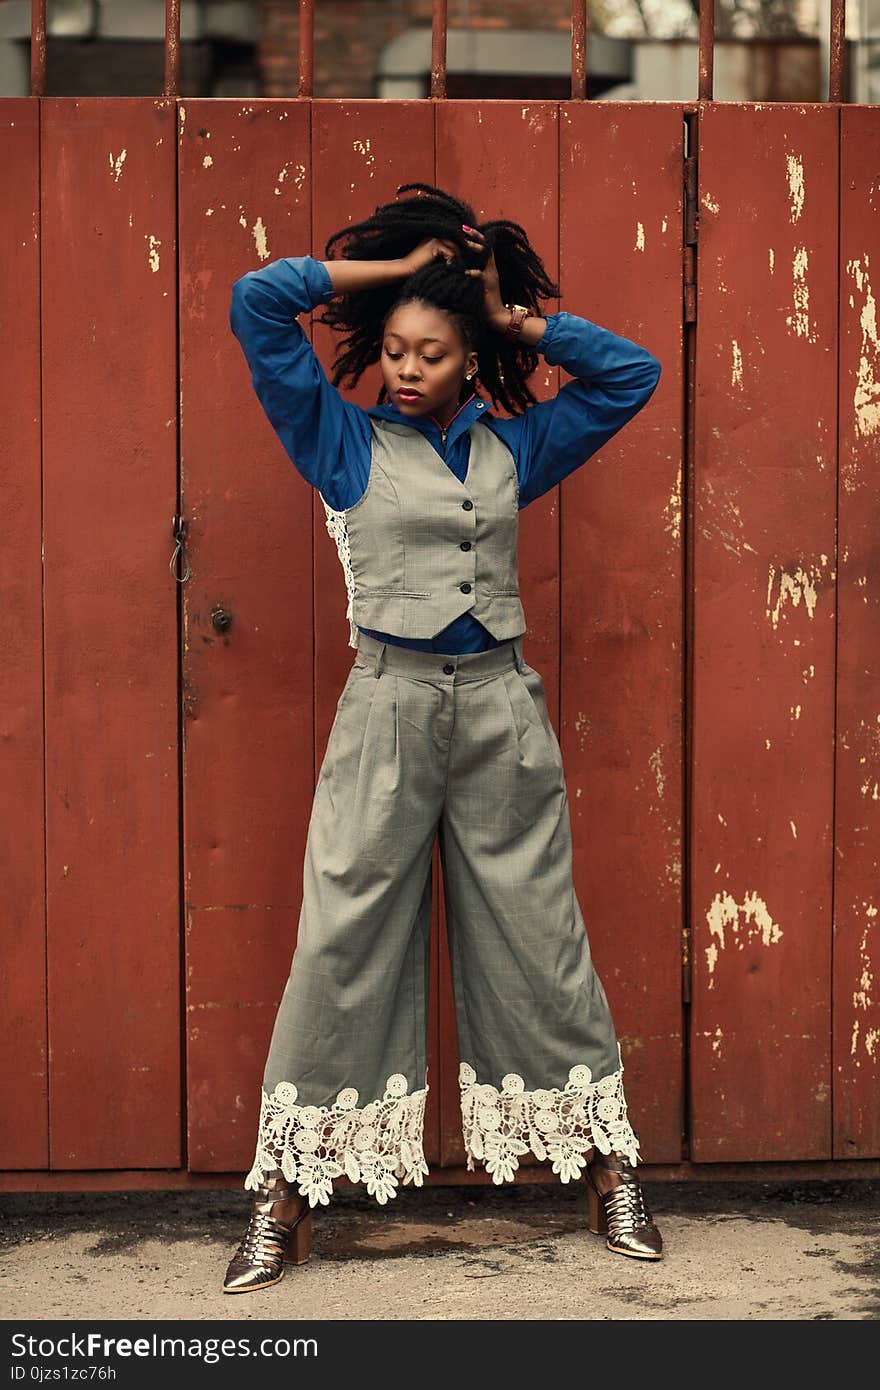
[{"x": 472, "y": 410}]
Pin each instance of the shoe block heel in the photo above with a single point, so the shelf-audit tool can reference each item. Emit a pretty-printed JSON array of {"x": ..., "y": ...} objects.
[
  {"x": 299, "y": 1244},
  {"x": 598, "y": 1221}
]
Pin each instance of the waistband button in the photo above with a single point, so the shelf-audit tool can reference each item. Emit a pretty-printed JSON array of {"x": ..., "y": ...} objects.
[
  {"x": 465, "y": 588},
  {"x": 448, "y": 668}
]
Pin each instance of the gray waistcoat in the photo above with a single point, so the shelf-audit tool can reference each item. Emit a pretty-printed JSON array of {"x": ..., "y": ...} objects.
[{"x": 401, "y": 544}]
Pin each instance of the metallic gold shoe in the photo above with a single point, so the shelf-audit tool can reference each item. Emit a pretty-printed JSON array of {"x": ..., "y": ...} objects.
[
  {"x": 268, "y": 1243},
  {"x": 621, "y": 1214}
]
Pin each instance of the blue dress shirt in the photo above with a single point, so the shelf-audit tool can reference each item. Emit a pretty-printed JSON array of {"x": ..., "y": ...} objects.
[{"x": 328, "y": 437}]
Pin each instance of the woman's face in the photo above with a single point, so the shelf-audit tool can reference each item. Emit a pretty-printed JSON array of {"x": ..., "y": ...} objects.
[{"x": 424, "y": 356}]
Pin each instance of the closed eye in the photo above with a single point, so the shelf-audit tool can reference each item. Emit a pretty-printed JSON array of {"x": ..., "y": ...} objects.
[{"x": 395, "y": 356}]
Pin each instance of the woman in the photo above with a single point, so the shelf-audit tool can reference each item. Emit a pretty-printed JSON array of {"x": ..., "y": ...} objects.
[{"x": 441, "y": 728}]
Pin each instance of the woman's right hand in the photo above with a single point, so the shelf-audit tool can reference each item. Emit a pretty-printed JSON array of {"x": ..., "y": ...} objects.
[{"x": 427, "y": 251}]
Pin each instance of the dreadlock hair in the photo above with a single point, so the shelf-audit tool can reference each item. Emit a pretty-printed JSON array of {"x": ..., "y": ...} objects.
[{"x": 393, "y": 231}]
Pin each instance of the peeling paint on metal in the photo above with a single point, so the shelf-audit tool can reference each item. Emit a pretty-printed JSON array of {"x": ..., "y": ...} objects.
[
  {"x": 152, "y": 251},
  {"x": 795, "y": 167},
  {"x": 363, "y": 147},
  {"x": 792, "y": 589},
  {"x": 736, "y": 371},
  {"x": 640, "y": 237},
  {"x": 116, "y": 165},
  {"x": 672, "y": 509},
  {"x": 771, "y": 260},
  {"x": 709, "y": 202},
  {"x": 207, "y": 161},
  {"x": 655, "y": 762},
  {"x": 800, "y": 319},
  {"x": 866, "y": 398},
  {"x": 747, "y": 922},
  {"x": 260, "y": 239}
]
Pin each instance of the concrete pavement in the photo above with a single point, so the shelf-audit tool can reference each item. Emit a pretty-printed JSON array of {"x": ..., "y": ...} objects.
[{"x": 733, "y": 1251}]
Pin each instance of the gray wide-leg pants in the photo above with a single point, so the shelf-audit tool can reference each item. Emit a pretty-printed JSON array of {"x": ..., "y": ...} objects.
[{"x": 460, "y": 746}]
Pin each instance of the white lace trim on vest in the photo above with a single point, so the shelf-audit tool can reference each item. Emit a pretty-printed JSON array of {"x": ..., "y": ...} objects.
[
  {"x": 338, "y": 528},
  {"x": 560, "y": 1125},
  {"x": 377, "y": 1143}
]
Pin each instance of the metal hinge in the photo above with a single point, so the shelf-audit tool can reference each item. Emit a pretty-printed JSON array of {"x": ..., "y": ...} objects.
[{"x": 691, "y": 231}]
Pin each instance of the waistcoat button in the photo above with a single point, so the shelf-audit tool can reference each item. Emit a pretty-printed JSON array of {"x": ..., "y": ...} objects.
[
  {"x": 467, "y": 506},
  {"x": 465, "y": 588},
  {"x": 465, "y": 545},
  {"x": 448, "y": 669}
]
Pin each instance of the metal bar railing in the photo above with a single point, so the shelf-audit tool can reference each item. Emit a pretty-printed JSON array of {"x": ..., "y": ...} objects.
[
  {"x": 706, "y": 55},
  {"x": 836, "y": 50},
  {"x": 306, "y": 48},
  {"x": 439, "y": 31},
  {"x": 38, "y": 48},
  {"x": 438, "y": 49},
  {"x": 579, "y": 23},
  {"x": 172, "y": 48}
]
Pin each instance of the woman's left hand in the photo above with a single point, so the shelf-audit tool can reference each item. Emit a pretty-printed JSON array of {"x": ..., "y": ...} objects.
[{"x": 493, "y": 304}]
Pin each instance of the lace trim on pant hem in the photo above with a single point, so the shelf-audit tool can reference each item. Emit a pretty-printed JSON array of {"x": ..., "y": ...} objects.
[
  {"x": 377, "y": 1144},
  {"x": 500, "y": 1125}
]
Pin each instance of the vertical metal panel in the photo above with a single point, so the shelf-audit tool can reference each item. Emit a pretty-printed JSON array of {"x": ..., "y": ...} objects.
[
  {"x": 23, "y": 1116},
  {"x": 248, "y": 692},
  {"x": 358, "y": 159},
  {"x": 109, "y": 450},
  {"x": 621, "y": 602},
  {"x": 480, "y": 146},
  {"x": 764, "y": 603},
  {"x": 857, "y": 812}
]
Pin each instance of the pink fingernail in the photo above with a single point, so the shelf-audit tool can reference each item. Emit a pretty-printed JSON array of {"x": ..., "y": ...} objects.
[{"x": 467, "y": 228}]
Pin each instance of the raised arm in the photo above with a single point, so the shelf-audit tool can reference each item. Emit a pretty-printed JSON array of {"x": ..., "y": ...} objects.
[
  {"x": 325, "y": 436},
  {"x": 614, "y": 379}
]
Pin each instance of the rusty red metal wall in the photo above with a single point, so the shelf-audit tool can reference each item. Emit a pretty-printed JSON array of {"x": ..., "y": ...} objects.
[
  {"x": 24, "y": 1134},
  {"x": 764, "y": 633},
  {"x": 706, "y": 640}
]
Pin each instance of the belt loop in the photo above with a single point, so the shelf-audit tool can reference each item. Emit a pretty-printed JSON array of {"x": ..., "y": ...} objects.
[
  {"x": 518, "y": 654},
  {"x": 380, "y": 657}
]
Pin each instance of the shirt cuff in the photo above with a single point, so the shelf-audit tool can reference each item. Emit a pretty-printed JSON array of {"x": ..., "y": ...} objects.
[
  {"x": 545, "y": 341},
  {"x": 317, "y": 279}
]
